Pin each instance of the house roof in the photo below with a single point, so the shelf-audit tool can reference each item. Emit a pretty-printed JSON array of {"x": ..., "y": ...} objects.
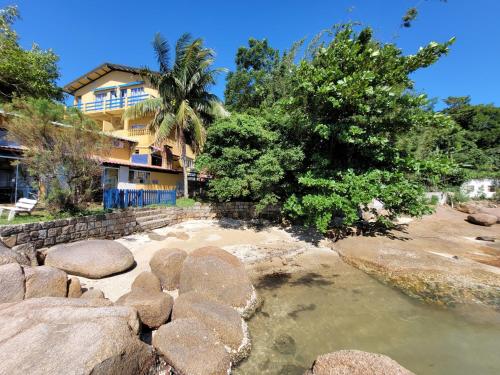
[{"x": 97, "y": 73}]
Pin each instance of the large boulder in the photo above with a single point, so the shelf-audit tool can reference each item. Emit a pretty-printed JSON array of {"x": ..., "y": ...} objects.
[
  {"x": 45, "y": 281},
  {"x": 94, "y": 259},
  {"x": 10, "y": 256},
  {"x": 147, "y": 281},
  {"x": 482, "y": 219},
  {"x": 167, "y": 265},
  {"x": 468, "y": 208},
  {"x": 154, "y": 308},
  {"x": 11, "y": 283},
  {"x": 495, "y": 211},
  {"x": 71, "y": 336},
  {"x": 355, "y": 362},
  {"x": 223, "y": 320},
  {"x": 191, "y": 348},
  {"x": 220, "y": 275}
]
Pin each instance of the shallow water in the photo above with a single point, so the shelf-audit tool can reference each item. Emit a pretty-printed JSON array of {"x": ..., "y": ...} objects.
[{"x": 339, "y": 307}]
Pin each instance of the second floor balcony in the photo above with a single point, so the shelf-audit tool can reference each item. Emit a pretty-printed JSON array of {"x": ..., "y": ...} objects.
[{"x": 113, "y": 104}]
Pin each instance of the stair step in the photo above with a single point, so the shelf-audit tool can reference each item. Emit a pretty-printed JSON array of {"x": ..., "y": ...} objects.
[
  {"x": 152, "y": 224},
  {"x": 145, "y": 219}
]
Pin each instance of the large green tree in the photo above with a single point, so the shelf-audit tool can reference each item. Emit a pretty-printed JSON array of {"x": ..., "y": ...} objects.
[
  {"x": 185, "y": 105},
  {"x": 345, "y": 108},
  {"x": 31, "y": 73}
]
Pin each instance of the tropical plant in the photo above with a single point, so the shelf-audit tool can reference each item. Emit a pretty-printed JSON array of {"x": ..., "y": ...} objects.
[
  {"x": 23, "y": 72},
  {"x": 60, "y": 151},
  {"x": 185, "y": 106}
]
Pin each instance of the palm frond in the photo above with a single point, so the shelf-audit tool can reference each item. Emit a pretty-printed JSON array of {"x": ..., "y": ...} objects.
[
  {"x": 162, "y": 50},
  {"x": 165, "y": 129},
  {"x": 148, "y": 107}
]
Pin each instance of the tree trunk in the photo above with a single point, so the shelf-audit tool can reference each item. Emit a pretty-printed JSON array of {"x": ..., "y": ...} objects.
[{"x": 184, "y": 167}]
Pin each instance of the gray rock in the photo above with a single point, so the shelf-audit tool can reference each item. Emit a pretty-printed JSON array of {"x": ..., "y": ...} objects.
[
  {"x": 147, "y": 281},
  {"x": 191, "y": 348},
  {"x": 167, "y": 265},
  {"x": 94, "y": 259},
  {"x": 154, "y": 308},
  {"x": 11, "y": 283},
  {"x": 10, "y": 256},
  {"x": 355, "y": 362},
  {"x": 45, "y": 281},
  {"x": 93, "y": 294},
  {"x": 50, "y": 335},
  {"x": 218, "y": 274},
  {"x": 221, "y": 319}
]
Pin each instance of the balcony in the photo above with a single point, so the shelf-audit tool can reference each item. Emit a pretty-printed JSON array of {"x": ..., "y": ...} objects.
[{"x": 111, "y": 104}]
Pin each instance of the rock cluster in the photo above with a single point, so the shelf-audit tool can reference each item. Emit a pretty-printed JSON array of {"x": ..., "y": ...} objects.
[
  {"x": 71, "y": 336},
  {"x": 355, "y": 362},
  {"x": 22, "y": 282}
]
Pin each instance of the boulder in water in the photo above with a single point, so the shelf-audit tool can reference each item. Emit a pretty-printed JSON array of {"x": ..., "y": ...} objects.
[
  {"x": 221, "y": 319},
  {"x": 191, "y": 348},
  {"x": 355, "y": 362},
  {"x": 213, "y": 272}
]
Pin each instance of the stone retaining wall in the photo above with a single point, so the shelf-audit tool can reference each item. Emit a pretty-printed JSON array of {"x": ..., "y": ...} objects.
[{"x": 117, "y": 224}]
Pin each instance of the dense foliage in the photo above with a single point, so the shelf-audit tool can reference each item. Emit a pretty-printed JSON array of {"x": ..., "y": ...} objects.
[
  {"x": 61, "y": 149},
  {"x": 31, "y": 73},
  {"x": 342, "y": 113}
]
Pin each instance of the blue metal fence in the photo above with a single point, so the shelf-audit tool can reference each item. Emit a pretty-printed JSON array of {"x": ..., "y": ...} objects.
[{"x": 123, "y": 198}]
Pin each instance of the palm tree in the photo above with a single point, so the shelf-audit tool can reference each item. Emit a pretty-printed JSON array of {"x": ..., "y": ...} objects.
[{"x": 184, "y": 106}]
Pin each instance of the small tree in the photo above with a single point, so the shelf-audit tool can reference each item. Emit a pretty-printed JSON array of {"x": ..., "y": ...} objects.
[{"x": 61, "y": 151}]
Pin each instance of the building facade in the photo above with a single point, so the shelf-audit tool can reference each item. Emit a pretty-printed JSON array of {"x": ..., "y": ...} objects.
[{"x": 135, "y": 161}]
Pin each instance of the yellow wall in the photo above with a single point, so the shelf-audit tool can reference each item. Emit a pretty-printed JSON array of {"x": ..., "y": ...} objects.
[
  {"x": 166, "y": 178},
  {"x": 114, "y": 124}
]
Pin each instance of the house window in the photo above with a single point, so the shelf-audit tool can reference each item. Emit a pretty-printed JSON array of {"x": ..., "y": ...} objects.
[
  {"x": 137, "y": 91},
  {"x": 156, "y": 159},
  {"x": 139, "y": 177},
  {"x": 189, "y": 162},
  {"x": 123, "y": 93},
  {"x": 137, "y": 126},
  {"x": 100, "y": 97},
  {"x": 492, "y": 189}
]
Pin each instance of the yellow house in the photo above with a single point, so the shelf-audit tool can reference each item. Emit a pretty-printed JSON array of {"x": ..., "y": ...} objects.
[{"x": 134, "y": 161}]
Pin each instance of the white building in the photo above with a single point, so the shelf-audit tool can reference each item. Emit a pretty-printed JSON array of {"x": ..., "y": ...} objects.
[{"x": 478, "y": 188}]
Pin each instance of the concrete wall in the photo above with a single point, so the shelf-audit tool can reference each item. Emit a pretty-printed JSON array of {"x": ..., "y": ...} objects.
[
  {"x": 480, "y": 187},
  {"x": 121, "y": 223}
]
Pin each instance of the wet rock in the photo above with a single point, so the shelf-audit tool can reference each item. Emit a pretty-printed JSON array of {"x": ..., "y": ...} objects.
[
  {"x": 10, "y": 256},
  {"x": 51, "y": 335},
  {"x": 147, "y": 281},
  {"x": 153, "y": 307},
  {"x": 482, "y": 219},
  {"x": 74, "y": 288},
  {"x": 424, "y": 275},
  {"x": 221, "y": 276},
  {"x": 167, "y": 265},
  {"x": 93, "y": 294},
  {"x": 93, "y": 259},
  {"x": 284, "y": 344},
  {"x": 221, "y": 319},
  {"x": 45, "y": 281},
  {"x": 355, "y": 362},
  {"x": 11, "y": 283},
  {"x": 191, "y": 348}
]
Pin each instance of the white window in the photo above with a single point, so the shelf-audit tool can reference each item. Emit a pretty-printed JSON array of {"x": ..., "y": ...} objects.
[{"x": 100, "y": 97}]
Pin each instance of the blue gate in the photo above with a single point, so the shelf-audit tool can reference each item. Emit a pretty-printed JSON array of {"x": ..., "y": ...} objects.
[{"x": 123, "y": 198}]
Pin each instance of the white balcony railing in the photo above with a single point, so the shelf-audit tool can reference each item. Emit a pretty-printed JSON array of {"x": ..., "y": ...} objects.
[{"x": 111, "y": 104}]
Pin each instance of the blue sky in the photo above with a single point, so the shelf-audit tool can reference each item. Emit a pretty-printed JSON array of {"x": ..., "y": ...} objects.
[{"x": 86, "y": 33}]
